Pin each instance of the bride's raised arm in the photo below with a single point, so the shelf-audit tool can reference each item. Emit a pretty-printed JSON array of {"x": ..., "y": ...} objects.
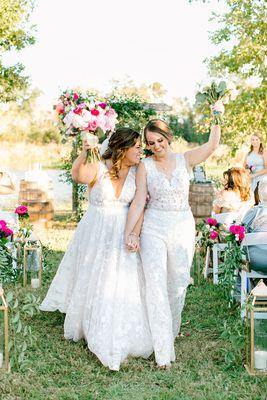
[
  {"x": 81, "y": 171},
  {"x": 138, "y": 203},
  {"x": 201, "y": 153}
]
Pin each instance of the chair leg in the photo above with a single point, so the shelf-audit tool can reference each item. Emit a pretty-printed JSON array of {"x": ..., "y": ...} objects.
[
  {"x": 243, "y": 292},
  {"x": 215, "y": 265}
]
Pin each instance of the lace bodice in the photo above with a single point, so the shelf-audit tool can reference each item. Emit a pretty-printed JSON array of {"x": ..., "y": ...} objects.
[
  {"x": 102, "y": 193},
  {"x": 168, "y": 194}
]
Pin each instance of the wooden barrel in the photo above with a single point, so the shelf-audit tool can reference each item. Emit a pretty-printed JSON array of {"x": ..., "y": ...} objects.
[
  {"x": 38, "y": 198},
  {"x": 201, "y": 196},
  {"x": 35, "y": 192}
]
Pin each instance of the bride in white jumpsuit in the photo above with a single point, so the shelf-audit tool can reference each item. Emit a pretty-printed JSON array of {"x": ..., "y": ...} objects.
[{"x": 168, "y": 231}]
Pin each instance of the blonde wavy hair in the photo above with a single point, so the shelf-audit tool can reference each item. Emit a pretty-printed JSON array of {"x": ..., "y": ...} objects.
[
  {"x": 238, "y": 180},
  {"x": 120, "y": 141}
]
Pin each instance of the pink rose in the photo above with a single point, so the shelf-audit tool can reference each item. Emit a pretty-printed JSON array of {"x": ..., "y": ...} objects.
[
  {"x": 21, "y": 210},
  {"x": 103, "y": 105},
  {"x": 75, "y": 96},
  {"x": 95, "y": 112},
  {"x": 67, "y": 95},
  {"x": 60, "y": 108},
  {"x": 241, "y": 236},
  {"x": 78, "y": 110},
  {"x": 8, "y": 232},
  {"x": 2, "y": 225},
  {"x": 111, "y": 113},
  {"x": 212, "y": 221},
  {"x": 234, "y": 229},
  {"x": 213, "y": 235},
  {"x": 92, "y": 126}
]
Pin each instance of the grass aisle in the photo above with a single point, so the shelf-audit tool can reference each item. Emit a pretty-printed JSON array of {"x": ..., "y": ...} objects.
[{"x": 208, "y": 364}]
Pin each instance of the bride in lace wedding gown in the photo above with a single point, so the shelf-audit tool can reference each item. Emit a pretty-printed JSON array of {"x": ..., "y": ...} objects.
[
  {"x": 99, "y": 283},
  {"x": 168, "y": 232}
]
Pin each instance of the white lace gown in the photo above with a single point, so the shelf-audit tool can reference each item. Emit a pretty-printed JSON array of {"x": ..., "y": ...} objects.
[
  {"x": 167, "y": 248},
  {"x": 99, "y": 284}
]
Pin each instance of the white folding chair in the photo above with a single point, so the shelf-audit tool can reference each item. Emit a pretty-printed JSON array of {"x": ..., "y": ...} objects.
[
  {"x": 256, "y": 238},
  {"x": 226, "y": 218},
  {"x": 11, "y": 219}
]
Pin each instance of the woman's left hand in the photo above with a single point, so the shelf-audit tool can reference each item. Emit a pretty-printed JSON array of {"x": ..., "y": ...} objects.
[{"x": 133, "y": 243}]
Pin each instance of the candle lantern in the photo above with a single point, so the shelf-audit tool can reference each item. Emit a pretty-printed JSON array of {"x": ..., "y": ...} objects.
[
  {"x": 32, "y": 264},
  {"x": 256, "y": 318},
  {"x": 4, "y": 353}
]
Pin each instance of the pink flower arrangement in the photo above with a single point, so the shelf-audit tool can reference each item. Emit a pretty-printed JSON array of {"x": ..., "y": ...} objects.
[
  {"x": 238, "y": 231},
  {"x": 5, "y": 231},
  {"x": 212, "y": 222}
]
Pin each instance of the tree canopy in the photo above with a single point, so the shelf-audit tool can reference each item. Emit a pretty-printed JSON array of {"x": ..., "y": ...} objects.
[
  {"x": 242, "y": 37},
  {"x": 15, "y": 34}
]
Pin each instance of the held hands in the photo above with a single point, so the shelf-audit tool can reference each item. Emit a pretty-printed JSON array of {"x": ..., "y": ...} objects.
[{"x": 132, "y": 242}]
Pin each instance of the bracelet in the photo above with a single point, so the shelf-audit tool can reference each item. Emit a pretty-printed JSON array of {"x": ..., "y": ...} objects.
[{"x": 134, "y": 234}]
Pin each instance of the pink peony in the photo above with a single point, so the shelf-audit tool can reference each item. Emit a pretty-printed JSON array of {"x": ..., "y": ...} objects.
[
  {"x": 75, "y": 96},
  {"x": 237, "y": 229},
  {"x": 92, "y": 126},
  {"x": 212, "y": 221},
  {"x": 213, "y": 235},
  {"x": 103, "y": 105},
  {"x": 21, "y": 210},
  {"x": 95, "y": 112}
]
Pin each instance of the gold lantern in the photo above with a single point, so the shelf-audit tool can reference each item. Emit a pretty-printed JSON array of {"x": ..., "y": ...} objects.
[
  {"x": 256, "y": 318},
  {"x": 32, "y": 264},
  {"x": 4, "y": 354}
]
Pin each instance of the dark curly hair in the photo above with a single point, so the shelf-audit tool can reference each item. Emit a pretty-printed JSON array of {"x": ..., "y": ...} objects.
[{"x": 120, "y": 141}]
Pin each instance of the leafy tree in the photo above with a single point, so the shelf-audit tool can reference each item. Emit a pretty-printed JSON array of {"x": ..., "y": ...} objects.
[
  {"x": 15, "y": 34},
  {"x": 243, "y": 34}
]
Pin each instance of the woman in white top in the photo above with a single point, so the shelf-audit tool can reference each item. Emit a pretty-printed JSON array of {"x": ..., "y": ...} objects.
[
  {"x": 256, "y": 160},
  {"x": 235, "y": 197}
]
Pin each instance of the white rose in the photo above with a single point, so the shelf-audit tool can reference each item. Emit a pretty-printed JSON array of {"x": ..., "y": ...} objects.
[
  {"x": 91, "y": 139},
  {"x": 87, "y": 116},
  {"x": 78, "y": 122}
]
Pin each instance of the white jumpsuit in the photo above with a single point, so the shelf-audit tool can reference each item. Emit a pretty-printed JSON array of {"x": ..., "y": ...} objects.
[{"x": 167, "y": 248}]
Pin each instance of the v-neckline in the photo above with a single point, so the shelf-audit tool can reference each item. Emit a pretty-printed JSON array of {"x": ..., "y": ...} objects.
[
  {"x": 123, "y": 185},
  {"x": 169, "y": 179}
]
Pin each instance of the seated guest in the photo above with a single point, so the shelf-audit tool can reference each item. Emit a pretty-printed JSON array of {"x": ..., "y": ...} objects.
[
  {"x": 7, "y": 184},
  {"x": 235, "y": 197},
  {"x": 256, "y": 221}
]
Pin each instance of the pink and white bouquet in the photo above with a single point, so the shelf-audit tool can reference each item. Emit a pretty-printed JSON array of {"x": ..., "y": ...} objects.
[
  {"x": 82, "y": 114},
  {"x": 216, "y": 96}
]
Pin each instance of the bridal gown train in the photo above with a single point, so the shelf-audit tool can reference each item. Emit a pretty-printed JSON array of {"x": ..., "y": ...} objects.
[{"x": 99, "y": 284}]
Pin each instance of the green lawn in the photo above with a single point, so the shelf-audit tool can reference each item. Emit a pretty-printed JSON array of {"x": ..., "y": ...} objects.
[{"x": 208, "y": 362}]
